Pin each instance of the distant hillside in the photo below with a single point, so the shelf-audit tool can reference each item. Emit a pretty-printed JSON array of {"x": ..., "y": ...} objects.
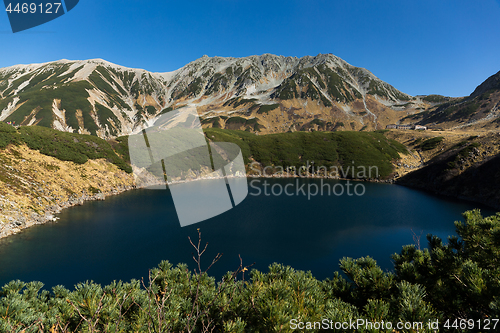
[
  {"x": 344, "y": 150},
  {"x": 455, "y": 164},
  {"x": 479, "y": 110},
  {"x": 266, "y": 94},
  {"x": 65, "y": 146}
]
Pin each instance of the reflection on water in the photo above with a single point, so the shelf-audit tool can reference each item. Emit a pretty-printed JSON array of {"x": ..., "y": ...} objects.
[{"x": 124, "y": 236}]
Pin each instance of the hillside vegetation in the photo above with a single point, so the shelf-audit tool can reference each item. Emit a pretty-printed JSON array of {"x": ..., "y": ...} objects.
[
  {"x": 463, "y": 164},
  {"x": 64, "y": 146},
  {"x": 468, "y": 169},
  {"x": 368, "y": 149},
  {"x": 283, "y": 149},
  {"x": 43, "y": 171},
  {"x": 477, "y": 111},
  {"x": 456, "y": 284}
]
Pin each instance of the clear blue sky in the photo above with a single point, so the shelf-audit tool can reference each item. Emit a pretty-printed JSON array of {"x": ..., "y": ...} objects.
[{"x": 444, "y": 47}]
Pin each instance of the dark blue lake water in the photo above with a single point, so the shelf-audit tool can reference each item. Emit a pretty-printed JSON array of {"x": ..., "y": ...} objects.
[{"x": 124, "y": 236}]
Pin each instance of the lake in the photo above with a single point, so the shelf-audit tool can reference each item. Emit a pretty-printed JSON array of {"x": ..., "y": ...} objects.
[{"x": 125, "y": 235}]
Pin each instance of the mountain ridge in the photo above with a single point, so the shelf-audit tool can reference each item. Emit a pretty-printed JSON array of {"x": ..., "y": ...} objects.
[
  {"x": 261, "y": 93},
  {"x": 478, "y": 111}
]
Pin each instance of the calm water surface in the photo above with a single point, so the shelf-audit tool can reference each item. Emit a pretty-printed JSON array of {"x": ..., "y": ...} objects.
[{"x": 124, "y": 236}]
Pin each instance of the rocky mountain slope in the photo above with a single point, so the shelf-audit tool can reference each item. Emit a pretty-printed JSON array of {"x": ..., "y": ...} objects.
[
  {"x": 43, "y": 171},
  {"x": 34, "y": 187},
  {"x": 479, "y": 110},
  {"x": 267, "y": 94},
  {"x": 463, "y": 164}
]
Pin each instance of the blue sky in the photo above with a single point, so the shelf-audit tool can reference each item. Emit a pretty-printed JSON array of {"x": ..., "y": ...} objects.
[{"x": 445, "y": 47}]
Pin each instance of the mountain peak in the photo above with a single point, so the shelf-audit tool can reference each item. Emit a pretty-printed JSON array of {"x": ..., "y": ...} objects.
[{"x": 493, "y": 82}]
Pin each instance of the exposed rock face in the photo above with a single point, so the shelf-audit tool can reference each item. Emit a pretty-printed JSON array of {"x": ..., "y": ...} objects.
[
  {"x": 469, "y": 169},
  {"x": 35, "y": 187}
]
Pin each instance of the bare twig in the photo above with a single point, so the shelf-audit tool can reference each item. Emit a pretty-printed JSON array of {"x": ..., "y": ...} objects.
[
  {"x": 92, "y": 322},
  {"x": 416, "y": 238},
  {"x": 196, "y": 314}
]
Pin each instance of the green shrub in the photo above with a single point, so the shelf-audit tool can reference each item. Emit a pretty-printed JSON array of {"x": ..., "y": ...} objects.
[
  {"x": 465, "y": 152},
  {"x": 213, "y": 121},
  {"x": 286, "y": 90},
  {"x": 8, "y": 135},
  {"x": 435, "y": 98},
  {"x": 461, "y": 277},
  {"x": 431, "y": 143},
  {"x": 93, "y": 190},
  {"x": 266, "y": 108}
]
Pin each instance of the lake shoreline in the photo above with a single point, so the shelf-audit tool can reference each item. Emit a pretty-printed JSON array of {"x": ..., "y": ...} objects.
[
  {"x": 35, "y": 187},
  {"x": 22, "y": 222}
]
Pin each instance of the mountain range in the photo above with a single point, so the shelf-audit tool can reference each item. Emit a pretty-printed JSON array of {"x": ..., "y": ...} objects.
[{"x": 261, "y": 94}]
